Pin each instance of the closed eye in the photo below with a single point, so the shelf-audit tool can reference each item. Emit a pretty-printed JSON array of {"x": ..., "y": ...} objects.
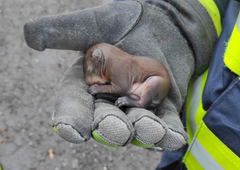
[{"x": 90, "y": 69}]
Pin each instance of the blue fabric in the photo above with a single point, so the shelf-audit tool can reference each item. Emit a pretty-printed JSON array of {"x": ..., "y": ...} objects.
[
  {"x": 221, "y": 4},
  {"x": 219, "y": 76},
  {"x": 223, "y": 117},
  {"x": 221, "y": 96},
  {"x": 173, "y": 160}
]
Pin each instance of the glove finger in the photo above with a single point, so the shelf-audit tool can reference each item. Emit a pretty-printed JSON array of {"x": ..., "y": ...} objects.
[
  {"x": 81, "y": 29},
  {"x": 149, "y": 129},
  {"x": 111, "y": 125},
  {"x": 176, "y": 137},
  {"x": 73, "y": 114},
  {"x": 164, "y": 130}
]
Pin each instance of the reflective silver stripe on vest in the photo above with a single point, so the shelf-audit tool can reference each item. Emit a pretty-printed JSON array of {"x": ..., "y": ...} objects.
[
  {"x": 238, "y": 22},
  {"x": 195, "y": 100},
  {"x": 202, "y": 156}
]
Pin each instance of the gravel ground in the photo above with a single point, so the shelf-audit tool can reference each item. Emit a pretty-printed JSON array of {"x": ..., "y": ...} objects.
[{"x": 28, "y": 84}]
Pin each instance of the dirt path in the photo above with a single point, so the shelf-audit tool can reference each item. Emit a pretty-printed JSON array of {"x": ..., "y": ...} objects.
[{"x": 28, "y": 84}]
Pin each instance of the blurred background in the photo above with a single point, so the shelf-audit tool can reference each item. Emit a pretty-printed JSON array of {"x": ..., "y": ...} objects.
[{"x": 28, "y": 83}]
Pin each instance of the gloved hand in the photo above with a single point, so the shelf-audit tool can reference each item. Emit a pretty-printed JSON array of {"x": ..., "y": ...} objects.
[{"x": 178, "y": 33}]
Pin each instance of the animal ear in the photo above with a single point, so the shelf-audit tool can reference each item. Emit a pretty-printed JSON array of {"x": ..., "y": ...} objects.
[{"x": 97, "y": 54}]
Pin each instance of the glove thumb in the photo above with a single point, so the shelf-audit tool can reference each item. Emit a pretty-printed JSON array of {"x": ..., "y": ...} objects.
[{"x": 81, "y": 29}]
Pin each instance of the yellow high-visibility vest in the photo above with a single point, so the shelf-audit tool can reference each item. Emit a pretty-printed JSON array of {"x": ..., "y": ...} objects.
[{"x": 205, "y": 150}]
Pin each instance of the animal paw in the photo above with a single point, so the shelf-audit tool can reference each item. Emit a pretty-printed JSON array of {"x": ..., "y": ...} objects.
[
  {"x": 121, "y": 101},
  {"x": 94, "y": 89}
]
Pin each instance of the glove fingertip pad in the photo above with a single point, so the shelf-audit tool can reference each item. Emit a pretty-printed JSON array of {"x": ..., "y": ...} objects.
[{"x": 68, "y": 133}]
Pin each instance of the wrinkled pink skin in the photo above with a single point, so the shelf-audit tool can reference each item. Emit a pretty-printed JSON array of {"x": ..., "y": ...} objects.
[{"x": 140, "y": 81}]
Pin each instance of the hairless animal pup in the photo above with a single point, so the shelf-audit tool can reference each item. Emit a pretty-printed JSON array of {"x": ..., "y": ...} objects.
[{"x": 139, "y": 81}]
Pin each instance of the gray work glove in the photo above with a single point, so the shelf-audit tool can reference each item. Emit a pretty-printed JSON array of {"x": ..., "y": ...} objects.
[{"x": 179, "y": 33}]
